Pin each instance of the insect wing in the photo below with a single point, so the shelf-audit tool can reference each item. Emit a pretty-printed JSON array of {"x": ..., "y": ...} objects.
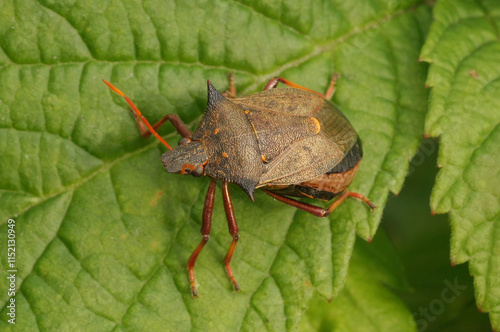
[
  {"x": 302, "y": 161},
  {"x": 276, "y": 131},
  {"x": 287, "y": 101}
]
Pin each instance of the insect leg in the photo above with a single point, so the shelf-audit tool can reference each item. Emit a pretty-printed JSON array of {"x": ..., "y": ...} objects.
[
  {"x": 344, "y": 195},
  {"x": 206, "y": 224},
  {"x": 273, "y": 83},
  {"x": 180, "y": 126},
  {"x": 331, "y": 88},
  {"x": 316, "y": 210},
  {"x": 232, "y": 90},
  {"x": 141, "y": 120},
  {"x": 233, "y": 230}
]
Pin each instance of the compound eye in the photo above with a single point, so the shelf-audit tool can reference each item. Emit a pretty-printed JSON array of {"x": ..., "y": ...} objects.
[
  {"x": 184, "y": 141},
  {"x": 197, "y": 172}
]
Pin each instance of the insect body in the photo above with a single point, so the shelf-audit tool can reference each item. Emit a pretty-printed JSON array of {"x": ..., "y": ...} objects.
[{"x": 287, "y": 142}]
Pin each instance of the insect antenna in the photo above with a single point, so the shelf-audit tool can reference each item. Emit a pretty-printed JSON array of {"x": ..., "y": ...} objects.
[{"x": 138, "y": 114}]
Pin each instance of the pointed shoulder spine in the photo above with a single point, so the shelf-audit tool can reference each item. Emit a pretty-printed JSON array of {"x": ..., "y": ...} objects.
[{"x": 214, "y": 96}]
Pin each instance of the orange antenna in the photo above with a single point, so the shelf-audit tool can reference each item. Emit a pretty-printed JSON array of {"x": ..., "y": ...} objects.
[{"x": 138, "y": 113}]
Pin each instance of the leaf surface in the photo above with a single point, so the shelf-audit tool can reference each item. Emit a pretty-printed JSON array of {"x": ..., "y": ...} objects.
[
  {"x": 465, "y": 112},
  {"x": 104, "y": 232},
  {"x": 366, "y": 304}
]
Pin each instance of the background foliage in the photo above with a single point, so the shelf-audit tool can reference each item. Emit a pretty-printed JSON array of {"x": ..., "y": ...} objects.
[{"x": 104, "y": 233}]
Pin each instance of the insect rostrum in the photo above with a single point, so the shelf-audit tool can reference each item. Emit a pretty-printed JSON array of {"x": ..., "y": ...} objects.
[{"x": 289, "y": 142}]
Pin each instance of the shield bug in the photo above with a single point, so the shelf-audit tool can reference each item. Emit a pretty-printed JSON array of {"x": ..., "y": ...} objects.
[{"x": 289, "y": 142}]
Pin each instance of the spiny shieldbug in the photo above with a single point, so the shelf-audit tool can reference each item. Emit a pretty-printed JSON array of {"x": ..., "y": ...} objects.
[{"x": 287, "y": 142}]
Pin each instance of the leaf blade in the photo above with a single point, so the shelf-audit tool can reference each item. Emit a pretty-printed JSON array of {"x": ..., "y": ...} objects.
[
  {"x": 126, "y": 232},
  {"x": 463, "y": 112}
]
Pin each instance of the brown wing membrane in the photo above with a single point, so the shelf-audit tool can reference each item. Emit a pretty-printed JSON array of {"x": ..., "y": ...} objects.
[
  {"x": 275, "y": 131},
  {"x": 302, "y": 161},
  {"x": 336, "y": 127},
  {"x": 288, "y": 100}
]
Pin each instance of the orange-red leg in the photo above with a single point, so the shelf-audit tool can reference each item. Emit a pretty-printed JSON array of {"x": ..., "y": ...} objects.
[
  {"x": 273, "y": 83},
  {"x": 232, "y": 89},
  {"x": 331, "y": 88},
  {"x": 141, "y": 120},
  {"x": 143, "y": 124},
  {"x": 233, "y": 230},
  {"x": 180, "y": 126},
  {"x": 316, "y": 210},
  {"x": 206, "y": 225}
]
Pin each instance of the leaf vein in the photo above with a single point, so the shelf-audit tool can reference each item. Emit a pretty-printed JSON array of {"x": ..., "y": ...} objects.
[{"x": 67, "y": 21}]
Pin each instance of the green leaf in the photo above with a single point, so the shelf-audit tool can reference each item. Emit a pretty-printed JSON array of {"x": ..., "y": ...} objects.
[
  {"x": 104, "y": 233},
  {"x": 463, "y": 47},
  {"x": 366, "y": 304},
  {"x": 441, "y": 296}
]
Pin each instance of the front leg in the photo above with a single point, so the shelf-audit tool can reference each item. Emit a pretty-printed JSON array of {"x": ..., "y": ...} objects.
[
  {"x": 180, "y": 126},
  {"x": 142, "y": 123},
  {"x": 233, "y": 230},
  {"x": 206, "y": 225}
]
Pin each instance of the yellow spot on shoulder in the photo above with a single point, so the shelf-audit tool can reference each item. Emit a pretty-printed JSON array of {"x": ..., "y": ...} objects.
[
  {"x": 247, "y": 111},
  {"x": 224, "y": 154},
  {"x": 318, "y": 125}
]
